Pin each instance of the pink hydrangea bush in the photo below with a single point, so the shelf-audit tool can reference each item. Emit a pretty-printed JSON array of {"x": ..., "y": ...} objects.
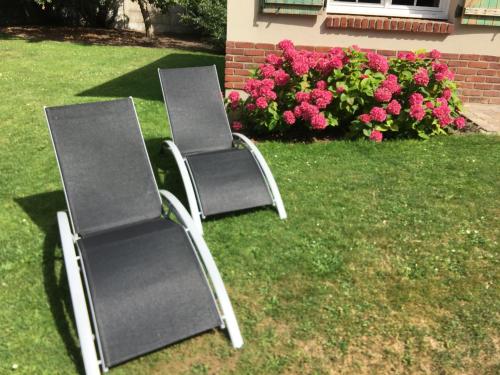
[{"x": 364, "y": 93}]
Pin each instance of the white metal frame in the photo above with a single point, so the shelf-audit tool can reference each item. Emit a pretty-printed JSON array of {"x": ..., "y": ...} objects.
[
  {"x": 74, "y": 269},
  {"x": 228, "y": 317},
  {"x": 78, "y": 301},
  {"x": 268, "y": 176},
  {"x": 386, "y": 8},
  {"x": 192, "y": 197}
]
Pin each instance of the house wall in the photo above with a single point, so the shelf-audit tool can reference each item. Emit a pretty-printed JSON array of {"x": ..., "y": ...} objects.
[
  {"x": 473, "y": 52},
  {"x": 130, "y": 18}
]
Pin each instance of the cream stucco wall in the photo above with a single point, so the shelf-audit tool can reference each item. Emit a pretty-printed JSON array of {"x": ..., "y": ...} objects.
[{"x": 246, "y": 23}]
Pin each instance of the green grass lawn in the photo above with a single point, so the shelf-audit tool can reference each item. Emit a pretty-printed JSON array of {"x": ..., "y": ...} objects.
[{"x": 388, "y": 262}]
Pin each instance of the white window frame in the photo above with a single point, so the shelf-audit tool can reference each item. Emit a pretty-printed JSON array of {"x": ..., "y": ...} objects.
[{"x": 387, "y": 9}]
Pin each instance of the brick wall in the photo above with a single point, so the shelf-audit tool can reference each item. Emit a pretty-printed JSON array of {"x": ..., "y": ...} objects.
[{"x": 477, "y": 76}]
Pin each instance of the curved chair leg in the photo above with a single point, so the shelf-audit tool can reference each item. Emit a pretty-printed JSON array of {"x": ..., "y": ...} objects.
[
  {"x": 78, "y": 301},
  {"x": 278, "y": 202},
  {"x": 186, "y": 179},
  {"x": 228, "y": 317}
]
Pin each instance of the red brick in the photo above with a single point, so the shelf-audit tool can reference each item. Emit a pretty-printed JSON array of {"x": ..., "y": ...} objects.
[
  {"x": 467, "y": 71},
  {"x": 459, "y": 77},
  {"x": 322, "y": 49},
  {"x": 470, "y": 92},
  {"x": 487, "y": 72},
  {"x": 493, "y": 65},
  {"x": 250, "y": 66},
  {"x": 435, "y": 28},
  {"x": 401, "y": 25},
  {"x": 371, "y": 23},
  {"x": 228, "y": 72},
  {"x": 475, "y": 79},
  {"x": 335, "y": 22},
  {"x": 244, "y": 45},
  {"x": 490, "y": 58},
  {"x": 229, "y": 44},
  {"x": 234, "y": 51},
  {"x": 469, "y": 57},
  {"x": 242, "y": 72},
  {"x": 483, "y": 86},
  {"x": 229, "y": 85},
  {"x": 465, "y": 85},
  {"x": 266, "y": 46},
  {"x": 478, "y": 64},
  {"x": 492, "y": 79},
  {"x": 243, "y": 59},
  {"x": 259, "y": 59},
  {"x": 307, "y": 48},
  {"x": 254, "y": 52},
  {"x": 443, "y": 28},
  {"x": 394, "y": 25},
  {"x": 234, "y": 79},
  {"x": 364, "y": 23},
  {"x": 414, "y": 26},
  {"x": 386, "y": 24},
  {"x": 457, "y": 63},
  {"x": 450, "y": 56},
  {"x": 451, "y": 28},
  {"x": 343, "y": 22},
  {"x": 238, "y": 85},
  {"x": 386, "y": 52},
  {"x": 408, "y": 25},
  {"x": 234, "y": 65},
  {"x": 492, "y": 93},
  {"x": 494, "y": 101},
  {"x": 477, "y": 99},
  {"x": 421, "y": 27},
  {"x": 350, "y": 22},
  {"x": 228, "y": 58}
]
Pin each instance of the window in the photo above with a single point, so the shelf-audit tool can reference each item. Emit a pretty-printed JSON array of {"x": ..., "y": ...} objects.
[{"x": 398, "y": 8}]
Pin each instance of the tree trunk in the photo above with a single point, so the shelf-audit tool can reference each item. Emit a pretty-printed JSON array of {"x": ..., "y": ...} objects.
[{"x": 146, "y": 17}]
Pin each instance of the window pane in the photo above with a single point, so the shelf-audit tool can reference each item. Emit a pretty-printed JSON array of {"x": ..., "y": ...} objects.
[
  {"x": 402, "y": 2},
  {"x": 428, "y": 3}
]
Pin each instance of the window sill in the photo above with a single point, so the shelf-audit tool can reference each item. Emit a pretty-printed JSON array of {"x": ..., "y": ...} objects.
[{"x": 413, "y": 25}]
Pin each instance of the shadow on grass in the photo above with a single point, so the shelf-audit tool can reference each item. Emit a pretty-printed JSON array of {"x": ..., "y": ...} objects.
[
  {"x": 42, "y": 209},
  {"x": 144, "y": 82}
]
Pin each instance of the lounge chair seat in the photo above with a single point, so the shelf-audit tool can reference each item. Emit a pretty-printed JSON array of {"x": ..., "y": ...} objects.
[
  {"x": 231, "y": 174},
  {"x": 147, "y": 287}
]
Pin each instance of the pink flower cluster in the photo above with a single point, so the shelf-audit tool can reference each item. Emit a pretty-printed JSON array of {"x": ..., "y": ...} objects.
[
  {"x": 382, "y": 95},
  {"x": 417, "y": 110},
  {"x": 234, "y": 99},
  {"x": 441, "y": 71},
  {"x": 376, "y": 136},
  {"x": 442, "y": 113},
  {"x": 378, "y": 114},
  {"x": 391, "y": 84},
  {"x": 303, "y": 61},
  {"x": 377, "y": 62},
  {"x": 261, "y": 91},
  {"x": 421, "y": 77}
]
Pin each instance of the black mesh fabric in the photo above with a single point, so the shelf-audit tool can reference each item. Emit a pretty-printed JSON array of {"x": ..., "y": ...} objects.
[
  {"x": 105, "y": 168},
  {"x": 228, "y": 180},
  {"x": 147, "y": 288},
  {"x": 195, "y": 109}
]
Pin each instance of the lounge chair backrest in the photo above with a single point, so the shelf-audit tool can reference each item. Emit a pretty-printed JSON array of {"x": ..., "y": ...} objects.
[
  {"x": 105, "y": 169},
  {"x": 195, "y": 109}
]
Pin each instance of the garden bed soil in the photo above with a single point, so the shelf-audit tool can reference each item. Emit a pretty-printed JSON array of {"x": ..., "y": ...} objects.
[{"x": 110, "y": 37}]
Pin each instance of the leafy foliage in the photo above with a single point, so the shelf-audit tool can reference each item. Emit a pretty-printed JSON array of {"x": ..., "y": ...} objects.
[
  {"x": 205, "y": 16},
  {"x": 364, "y": 93},
  {"x": 93, "y": 13}
]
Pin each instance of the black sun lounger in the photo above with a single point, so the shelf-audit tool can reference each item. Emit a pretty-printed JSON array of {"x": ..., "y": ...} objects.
[
  {"x": 138, "y": 280},
  {"x": 221, "y": 171}
]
